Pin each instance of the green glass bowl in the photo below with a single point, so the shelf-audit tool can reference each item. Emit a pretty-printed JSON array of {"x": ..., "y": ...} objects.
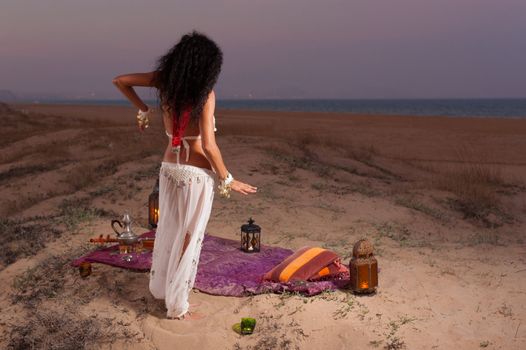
[{"x": 246, "y": 326}]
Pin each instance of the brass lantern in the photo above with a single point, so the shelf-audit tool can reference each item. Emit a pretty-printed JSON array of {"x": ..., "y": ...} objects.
[
  {"x": 363, "y": 268},
  {"x": 250, "y": 237},
  {"x": 153, "y": 206}
]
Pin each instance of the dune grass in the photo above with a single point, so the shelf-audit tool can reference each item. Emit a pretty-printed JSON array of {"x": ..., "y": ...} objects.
[
  {"x": 22, "y": 238},
  {"x": 475, "y": 185},
  {"x": 59, "y": 324}
]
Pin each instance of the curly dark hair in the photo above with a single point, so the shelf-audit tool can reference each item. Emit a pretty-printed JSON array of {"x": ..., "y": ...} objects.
[{"x": 187, "y": 73}]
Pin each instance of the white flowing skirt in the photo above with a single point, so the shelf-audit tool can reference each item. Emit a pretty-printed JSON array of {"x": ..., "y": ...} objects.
[{"x": 186, "y": 194}]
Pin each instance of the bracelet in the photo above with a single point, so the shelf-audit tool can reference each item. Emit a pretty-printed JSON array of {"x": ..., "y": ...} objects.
[
  {"x": 225, "y": 186},
  {"x": 142, "y": 118}
]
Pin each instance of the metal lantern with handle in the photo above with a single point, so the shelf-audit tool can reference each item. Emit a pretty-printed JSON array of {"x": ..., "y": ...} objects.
[
  {"x": 153, "y": 206},
  {"x": 363, "y": 268},
  {"x": 250, "y": 237}
]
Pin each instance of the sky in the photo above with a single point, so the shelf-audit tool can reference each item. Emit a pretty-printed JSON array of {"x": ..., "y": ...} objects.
[{"x": 272, "y": 49}]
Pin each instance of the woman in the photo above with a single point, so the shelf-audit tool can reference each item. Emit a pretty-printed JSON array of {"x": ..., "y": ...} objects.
[{"x": 184, "y": 78}]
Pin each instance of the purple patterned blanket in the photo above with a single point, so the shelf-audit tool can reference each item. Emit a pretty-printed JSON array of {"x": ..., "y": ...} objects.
[{"x": 223, "y": 268}]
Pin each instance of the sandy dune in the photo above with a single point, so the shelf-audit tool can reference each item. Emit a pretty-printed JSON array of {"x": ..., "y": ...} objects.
[{"x": 442, "y": 199}]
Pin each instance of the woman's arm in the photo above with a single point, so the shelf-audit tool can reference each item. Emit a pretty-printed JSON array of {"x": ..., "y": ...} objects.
[
  {"x": 211, "y": 150},
  {"x": 126, "y": 82}
]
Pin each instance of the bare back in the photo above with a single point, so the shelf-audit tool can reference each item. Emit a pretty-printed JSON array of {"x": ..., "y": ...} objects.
[{"x": 197, "y": 156}]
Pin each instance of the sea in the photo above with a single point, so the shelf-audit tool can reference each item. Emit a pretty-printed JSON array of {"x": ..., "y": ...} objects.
[{"x": 504, "y": 108}]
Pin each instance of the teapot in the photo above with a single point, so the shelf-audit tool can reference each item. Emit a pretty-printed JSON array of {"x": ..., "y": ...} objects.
[{"x": 127, "y": 236}]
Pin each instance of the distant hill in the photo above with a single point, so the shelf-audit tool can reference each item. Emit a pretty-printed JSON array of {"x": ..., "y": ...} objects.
[{"x": 7, "y": 96}]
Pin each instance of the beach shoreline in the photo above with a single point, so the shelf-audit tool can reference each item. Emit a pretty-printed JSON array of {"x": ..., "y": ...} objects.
[{"x": 449, "y": 107}]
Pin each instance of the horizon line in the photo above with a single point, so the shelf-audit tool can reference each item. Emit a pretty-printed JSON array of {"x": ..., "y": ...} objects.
[{"x": 64, "y": 100}]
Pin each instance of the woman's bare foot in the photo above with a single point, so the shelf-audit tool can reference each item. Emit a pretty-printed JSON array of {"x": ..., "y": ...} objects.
[
  {"x": 196, "y": 304},
  {"x": 189, "y": 315},
  {"x": 192, "y": 315}
]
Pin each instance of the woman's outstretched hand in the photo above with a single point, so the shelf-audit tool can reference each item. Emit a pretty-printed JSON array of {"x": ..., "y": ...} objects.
[{"x": 242, "y": 187}]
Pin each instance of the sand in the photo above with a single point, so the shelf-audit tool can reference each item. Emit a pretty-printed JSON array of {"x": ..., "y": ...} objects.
[{"x": 442, "y": 199}]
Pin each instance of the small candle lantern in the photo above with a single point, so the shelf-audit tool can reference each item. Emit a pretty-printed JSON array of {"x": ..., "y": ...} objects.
[
  {"x": 153, "y": 206},
  {"x": 363, "y": 268},
  {"x": 250, "y": 237}
]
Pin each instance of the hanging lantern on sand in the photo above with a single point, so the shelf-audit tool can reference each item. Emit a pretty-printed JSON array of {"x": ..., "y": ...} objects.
[
  {"x": 250, "y": 237},
  {"x": 153, "y": 206},
  {"x": 363, "y": 268}
]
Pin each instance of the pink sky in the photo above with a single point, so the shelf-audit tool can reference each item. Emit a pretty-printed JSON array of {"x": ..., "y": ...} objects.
[{"x": 273, "y": 49}]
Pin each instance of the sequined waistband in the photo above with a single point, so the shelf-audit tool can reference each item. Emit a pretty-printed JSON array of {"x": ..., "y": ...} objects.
[{"x": 186, "y": 173}]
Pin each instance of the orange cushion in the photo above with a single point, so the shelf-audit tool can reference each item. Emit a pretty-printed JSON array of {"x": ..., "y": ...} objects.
[{"x": 307, "y": 263}]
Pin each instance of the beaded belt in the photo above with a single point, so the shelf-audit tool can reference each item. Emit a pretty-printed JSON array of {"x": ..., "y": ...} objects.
[{"x": 183, "y": 174}]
